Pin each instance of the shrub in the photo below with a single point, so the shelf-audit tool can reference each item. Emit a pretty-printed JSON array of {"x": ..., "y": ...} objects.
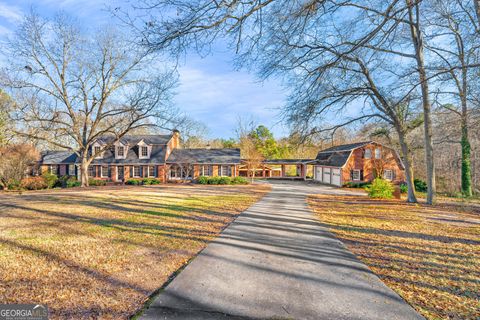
[
  {"x": 202, "y": 180},
  {"x": 380, "y": 189},
  {"x": 239, "y": 180},
  {"x": 13, "y": 184},
  {"x": 132, "y": 182},
  {"x": 351, "y": 184},
  {"x": 403, "y": 188},
  {"x": 33, "y": 183},
  {"x": 225, "y": 180},
  {"x": 96, "y": 182},
  {"x": 213, "y": 180},
  {"x": 51, "y": 179},
  {"x": 420, "y": 185},
  {"x": 150, "y": 181}
]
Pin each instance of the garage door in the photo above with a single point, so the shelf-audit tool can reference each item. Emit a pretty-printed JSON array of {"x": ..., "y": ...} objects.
[
  {"x": 326, "y": 175},
  {"x": 318, "y": 174},
  {"x": 336, "y": 177}
]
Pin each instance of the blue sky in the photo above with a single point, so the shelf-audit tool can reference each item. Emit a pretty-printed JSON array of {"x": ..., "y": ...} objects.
[{"x": 210, "y": 89}]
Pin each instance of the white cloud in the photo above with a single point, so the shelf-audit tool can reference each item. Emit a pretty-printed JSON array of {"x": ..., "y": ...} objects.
[{"x": 11, "y": 13}]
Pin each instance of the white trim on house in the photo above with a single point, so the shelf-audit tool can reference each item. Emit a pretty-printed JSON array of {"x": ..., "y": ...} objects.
[
  {"x": 102, "y": 173},
  {"x": 354, "y": 173},
  {"x": 134, "y": 174},
  {"x": 141, "y": 146}
]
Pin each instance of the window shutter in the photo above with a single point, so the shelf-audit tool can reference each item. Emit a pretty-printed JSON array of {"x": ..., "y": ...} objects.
[
  {"x": 394, "y": 175},
  {"x": 361, "y": 175},
  {"x": 131, "y": 171},
  {"x": 155, "y": 171},
  {"x": 109, "y": 171},
  {"x": 351, "y": 174}
]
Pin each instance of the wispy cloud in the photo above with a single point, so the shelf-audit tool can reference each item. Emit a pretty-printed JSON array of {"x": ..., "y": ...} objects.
[
  {"x": 218, "y": 99},
  {"x": 12, "y": 14}
]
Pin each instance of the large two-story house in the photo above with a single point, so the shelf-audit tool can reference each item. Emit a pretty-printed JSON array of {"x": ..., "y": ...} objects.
[{"x": 142, "y": 156}]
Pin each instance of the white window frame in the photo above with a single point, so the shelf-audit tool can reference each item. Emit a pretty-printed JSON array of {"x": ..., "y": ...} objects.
[
  {"x": 388, "y": 174},
  {"x": 151, "y": 174},
  {"x": 378, "y": 153},
  {"x": 206, "y": 170},
  {"x": 71, "y": 169},
  {"x": 229, "y": 171},
  {"x": 143, "y": 148},
  {"x": 368, "y": 154},
  {"x": 103, "y": 174},
  {"x": 356, "y": 171},
  {"x": 97, "y": 152},
  {"x": 123, "y": 151},
  {"x": 134, "y": 174}
]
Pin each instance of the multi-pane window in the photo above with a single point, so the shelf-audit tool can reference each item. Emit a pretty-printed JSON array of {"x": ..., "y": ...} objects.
[
  {"x": 144, "y": 151},
  {"x": 136, "y": 171},
  {"x": 356, "y": 175},
  {"x": 104, "y": 171},
  {"x": 96, "y": 151},
  {"x": 368, "y": 153},
  {"x": 388, "y": 174},
  {"x": 71, "y": 169},
  {"x": 151, "y": 171},
  {"x": 378, "y": 153},
  {"x": 90, "y": 171},
  {"x": 120, "y": 151},
  {"x": 206, "y": 171},
  {"x": 225, "y": 171}
]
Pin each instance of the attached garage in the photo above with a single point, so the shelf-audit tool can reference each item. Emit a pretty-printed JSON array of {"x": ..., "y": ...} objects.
[
  {"x": 336, "y": 177},
  {"x": 318, "y": 174},
  {"x": 327, "y": 178}
]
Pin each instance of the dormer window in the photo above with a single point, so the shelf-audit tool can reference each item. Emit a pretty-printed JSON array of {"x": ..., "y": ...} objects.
[
  {"x": 144, "y": 151},
  {"x": 120, "y": 151},
  {"x": 97, "y": 151}
]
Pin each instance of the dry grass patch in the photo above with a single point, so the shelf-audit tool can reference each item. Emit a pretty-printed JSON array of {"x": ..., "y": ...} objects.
[
  {"x": 100, "y": 253},
  {"x": 429, "y": 255}
]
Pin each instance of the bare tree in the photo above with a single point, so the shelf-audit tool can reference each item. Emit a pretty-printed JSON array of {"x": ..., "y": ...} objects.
[
  {"x": 455, "y": 45},
  {"x": 71, "y": 89},
  {"x": 16, "y": 161}
]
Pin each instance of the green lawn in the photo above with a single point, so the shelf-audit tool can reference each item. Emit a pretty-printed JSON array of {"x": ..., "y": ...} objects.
[
  {"x": 428, "y": 254},
  {"x": 101, "y": 252}
]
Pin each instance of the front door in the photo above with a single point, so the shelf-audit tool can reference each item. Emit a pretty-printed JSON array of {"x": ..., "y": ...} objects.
[{"x": 120, "y": 173}]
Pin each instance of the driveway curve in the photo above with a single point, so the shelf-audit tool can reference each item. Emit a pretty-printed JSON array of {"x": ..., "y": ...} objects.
[{"x": 276, "y": 261}]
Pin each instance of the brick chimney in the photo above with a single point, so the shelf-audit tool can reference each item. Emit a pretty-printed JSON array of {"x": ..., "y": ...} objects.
[{"x": 175, "y": 139}]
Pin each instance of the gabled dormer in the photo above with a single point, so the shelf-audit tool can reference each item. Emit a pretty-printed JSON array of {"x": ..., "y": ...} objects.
[
  {"x": 144, "y": 150},
  {"x": 98, "y": 149},
  {"x": 121, "y": 150}
]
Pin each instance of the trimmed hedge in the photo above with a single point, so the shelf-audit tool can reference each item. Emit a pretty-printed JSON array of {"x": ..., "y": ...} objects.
[
  {"x": 145, "y": 182},
  {"x": 380, "y": 189},
  {"x": 96, "y": 182},
  {"x": 221, "y": 180}
]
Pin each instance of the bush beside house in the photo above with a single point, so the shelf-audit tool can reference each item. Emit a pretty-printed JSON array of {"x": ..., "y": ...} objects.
[
  {"x": 380, "y": 189},
  {"x": 221, "y": 180}
]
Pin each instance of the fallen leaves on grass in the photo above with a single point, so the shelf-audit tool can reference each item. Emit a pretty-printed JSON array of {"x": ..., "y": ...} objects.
[
  {"x": 100, "y": 253},
  {"x": 428, "y": 254}
]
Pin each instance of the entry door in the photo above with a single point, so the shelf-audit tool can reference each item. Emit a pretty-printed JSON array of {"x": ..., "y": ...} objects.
[
  {"x": 120, "y": 173},
  {"x": 326, "y": 175}
]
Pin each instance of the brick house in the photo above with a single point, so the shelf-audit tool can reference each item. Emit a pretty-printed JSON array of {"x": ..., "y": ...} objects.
[
  {"x": 145, "y": 156},
  {"x": 357, "y": 163}
]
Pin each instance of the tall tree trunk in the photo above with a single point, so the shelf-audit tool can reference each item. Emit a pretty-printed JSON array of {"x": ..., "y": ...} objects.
[
  {"x": 407, "y": 161},
  {"x": 417, "y": 40},
  {"x": 84, "y": 172},
  {"x": 466, "y": 153}
]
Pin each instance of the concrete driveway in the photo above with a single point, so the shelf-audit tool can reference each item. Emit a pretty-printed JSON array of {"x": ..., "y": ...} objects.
[{"x": 276, "y": 261}]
